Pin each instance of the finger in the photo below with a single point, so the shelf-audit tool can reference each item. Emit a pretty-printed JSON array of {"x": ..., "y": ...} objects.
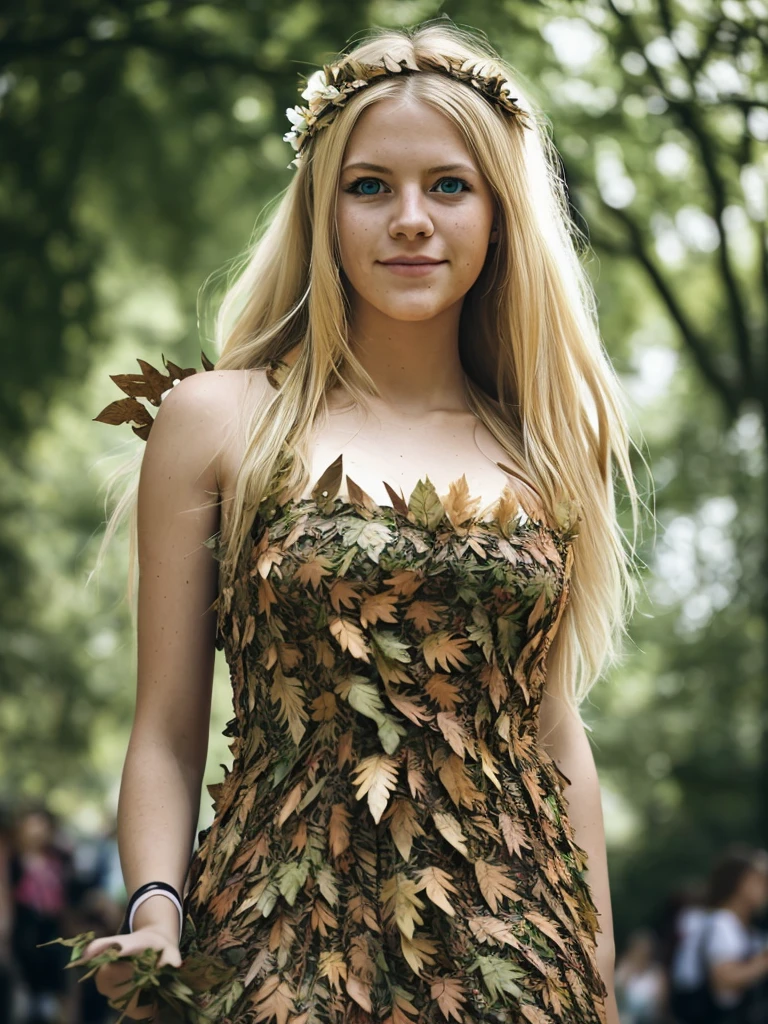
[
  {"x": 99, "y": 946},
  {"x": 170, "y": 956}
]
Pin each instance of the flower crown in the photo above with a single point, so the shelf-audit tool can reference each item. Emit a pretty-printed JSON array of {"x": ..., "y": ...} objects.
[{"x": 328, "y": 90}]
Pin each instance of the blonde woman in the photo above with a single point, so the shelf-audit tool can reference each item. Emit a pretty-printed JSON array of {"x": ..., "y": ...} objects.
[{"x": 391, "y": 504}]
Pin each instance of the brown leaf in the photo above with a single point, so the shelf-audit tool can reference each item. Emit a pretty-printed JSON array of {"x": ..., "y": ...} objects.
[
  {"x": 438, "y": 884},
  {"x": 449, "y": 995},
  {"x": 495, "y": 884}
]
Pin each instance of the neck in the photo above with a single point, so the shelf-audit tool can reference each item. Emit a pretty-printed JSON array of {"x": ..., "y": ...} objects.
[{"x": 414, "y": 364}]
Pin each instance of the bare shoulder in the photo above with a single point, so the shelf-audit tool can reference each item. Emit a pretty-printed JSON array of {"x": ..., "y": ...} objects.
[{"x": 197, "y": 420}]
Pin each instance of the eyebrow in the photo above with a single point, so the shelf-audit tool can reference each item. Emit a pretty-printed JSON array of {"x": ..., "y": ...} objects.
[{"x": 387, "y": 170}]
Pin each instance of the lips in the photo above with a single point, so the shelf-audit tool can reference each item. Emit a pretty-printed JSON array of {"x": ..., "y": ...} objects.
[{"x": 410, "y": 261}]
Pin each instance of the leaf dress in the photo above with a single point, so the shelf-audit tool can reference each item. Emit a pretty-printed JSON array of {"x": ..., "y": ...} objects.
[{"x": 391, "y": 844}]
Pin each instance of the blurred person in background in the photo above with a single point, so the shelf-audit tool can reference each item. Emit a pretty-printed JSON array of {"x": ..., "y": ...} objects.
[
  {"x": 720, "y": 964},
  {"x": 39, "y": 872},
  {"x": 641, "y": 982}
]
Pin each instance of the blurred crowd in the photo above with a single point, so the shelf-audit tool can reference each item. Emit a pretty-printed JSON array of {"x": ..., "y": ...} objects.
[
  {"x": 703, "y": 960},
  {"x": 52, "y": 885}
]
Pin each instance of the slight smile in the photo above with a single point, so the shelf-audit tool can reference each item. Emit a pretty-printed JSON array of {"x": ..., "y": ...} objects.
[{"x": 411, "y": 267}]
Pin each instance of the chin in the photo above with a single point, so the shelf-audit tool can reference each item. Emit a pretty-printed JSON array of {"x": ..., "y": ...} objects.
[{"x": 414, "y": 313}]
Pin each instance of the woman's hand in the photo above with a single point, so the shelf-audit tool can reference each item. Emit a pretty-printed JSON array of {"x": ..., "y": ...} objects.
[{"x": 111, "y": 979}]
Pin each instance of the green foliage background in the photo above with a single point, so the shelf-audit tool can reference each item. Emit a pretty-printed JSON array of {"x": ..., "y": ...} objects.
[{"x": 141, "y": 142}]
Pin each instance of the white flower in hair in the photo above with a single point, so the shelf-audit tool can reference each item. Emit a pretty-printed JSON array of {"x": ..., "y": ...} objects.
[{"x": 315, "y": 85}]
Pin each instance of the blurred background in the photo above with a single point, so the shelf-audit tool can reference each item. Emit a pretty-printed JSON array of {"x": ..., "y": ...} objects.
[{"x": 139, "y": 145}]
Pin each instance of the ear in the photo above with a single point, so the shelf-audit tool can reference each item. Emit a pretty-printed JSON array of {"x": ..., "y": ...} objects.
[{"x": 494, "y": 233}]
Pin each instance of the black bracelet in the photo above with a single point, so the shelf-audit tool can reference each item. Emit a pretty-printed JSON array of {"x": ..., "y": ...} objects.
[{"x": 143, "y": 893}]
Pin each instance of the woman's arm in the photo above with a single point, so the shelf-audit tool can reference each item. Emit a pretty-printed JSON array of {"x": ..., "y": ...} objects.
[
  {"x": 178, "y": 510},
  {"x": 562, "y": 735}
]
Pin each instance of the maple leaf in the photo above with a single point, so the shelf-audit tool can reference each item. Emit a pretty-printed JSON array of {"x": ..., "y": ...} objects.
[
  {"x": 378, "y": 608},
  {"x": 443, "y": 692},
  {"x": 445, "y": 649},
  {"x": 437, "y": 884},
  {"x": 343, "y": 593},
  {"x": 403, "y": 825},
  {"x": 399, "y": 899},
  {"x": 449, "y": 995},
  {"x": 495, "y": 884},
  {"x": 313, "y": 571},
  {"x": 151, "y": 384},
  {"x": 412, "y": 710},
  {"x": 376, "y": 776},
  {"x": 423, "y": 613},
  {"x": 273, "y": 1001}
]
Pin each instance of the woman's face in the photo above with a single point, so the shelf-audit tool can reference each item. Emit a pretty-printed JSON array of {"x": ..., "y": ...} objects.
[{"x": 409, "y": 189}]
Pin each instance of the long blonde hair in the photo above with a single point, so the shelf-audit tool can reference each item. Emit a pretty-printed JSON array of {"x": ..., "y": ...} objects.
[{"x": 537, "y": 373}]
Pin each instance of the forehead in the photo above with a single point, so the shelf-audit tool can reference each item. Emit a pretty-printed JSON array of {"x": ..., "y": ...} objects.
[{"x": 406, "y": 127}]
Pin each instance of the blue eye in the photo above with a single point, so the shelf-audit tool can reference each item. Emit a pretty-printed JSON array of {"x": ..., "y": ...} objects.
[
  {"x": 365, "y": 187},
  {"x": 375, "y": 186},
  {"x": 453, "y": 183}
]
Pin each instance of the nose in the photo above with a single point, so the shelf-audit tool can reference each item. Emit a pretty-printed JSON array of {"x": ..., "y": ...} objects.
[{"x": 410, "y": 217}]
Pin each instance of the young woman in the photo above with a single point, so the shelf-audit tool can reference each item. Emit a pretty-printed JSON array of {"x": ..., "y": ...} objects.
[{"x": 391, "y": 504}]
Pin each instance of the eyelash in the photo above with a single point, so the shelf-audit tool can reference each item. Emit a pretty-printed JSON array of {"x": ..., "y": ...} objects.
[{"x": 352, "y": 188}]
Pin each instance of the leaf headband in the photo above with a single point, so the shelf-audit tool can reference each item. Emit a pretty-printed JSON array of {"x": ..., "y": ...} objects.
[{"x": 328, "y": 90}]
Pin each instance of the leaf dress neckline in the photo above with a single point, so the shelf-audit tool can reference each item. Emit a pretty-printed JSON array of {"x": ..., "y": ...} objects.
[{"x": 457, "y": 511}]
